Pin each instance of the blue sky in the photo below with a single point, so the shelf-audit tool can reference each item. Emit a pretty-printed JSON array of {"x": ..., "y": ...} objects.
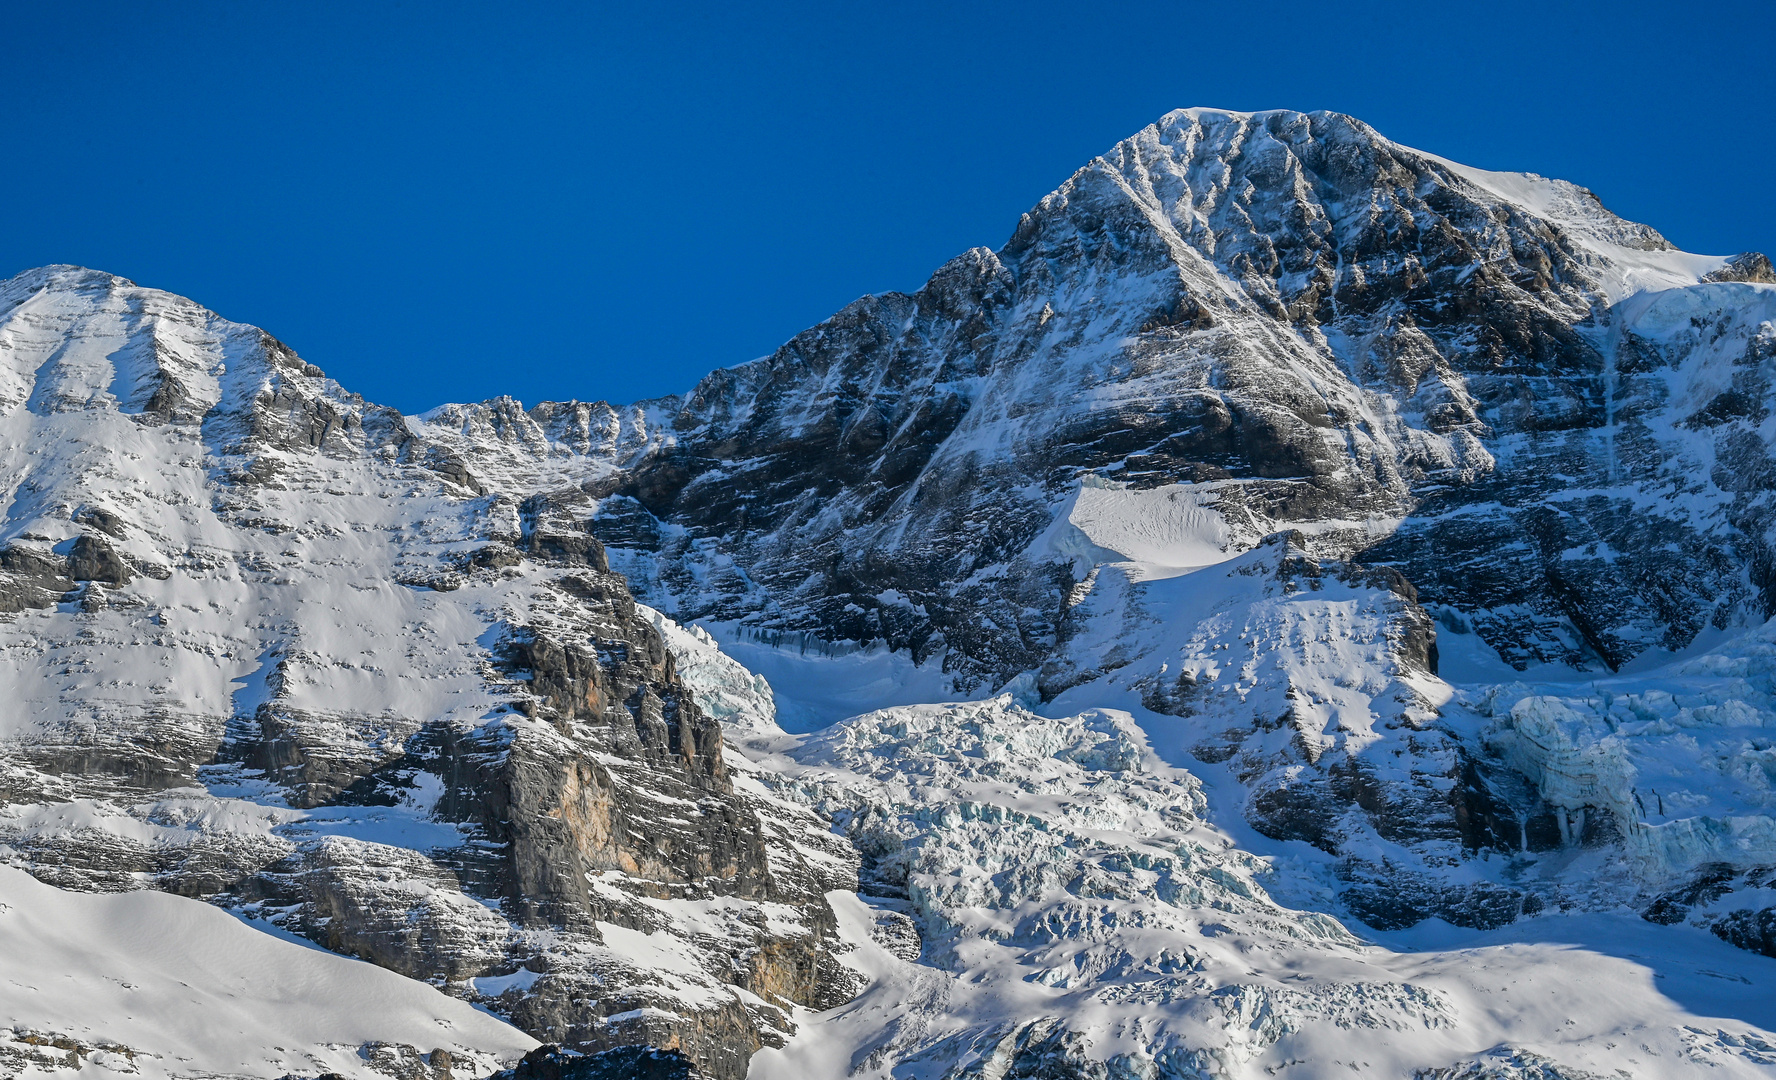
[{"x": 443, "y": 201}]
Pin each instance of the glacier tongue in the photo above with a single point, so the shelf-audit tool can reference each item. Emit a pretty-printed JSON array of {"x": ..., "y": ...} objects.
[
  {"x": 1042, "y": 895},
  {"x": 1043, "y": 891}
]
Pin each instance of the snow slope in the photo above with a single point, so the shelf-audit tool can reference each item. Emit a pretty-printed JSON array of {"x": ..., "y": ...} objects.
[{"x": 156, "y": 986}]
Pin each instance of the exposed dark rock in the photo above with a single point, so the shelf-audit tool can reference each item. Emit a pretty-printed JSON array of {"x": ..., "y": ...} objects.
[
  {"x": 31, "y": 577},
  {"x": 1047, "y": 1049},
  {"x": 1748, "y": 928},
  {"x": 103, "y": 520},
  {"x": 495, "y": 557},
  {"x": 92, "y": 559},
  {"x": 448, "y": 464},
  {"x": 296, "y": 410},
  {"x": 1707, "y": 884},
  {"x": 552, "y": 1062},
  {"x": 1395, "y": 901},
  {"x": 1707, "y": 898},
  {"x": 391, "y": 906},
  {"x": 569, "y": 549},
  {"x": 1751, "y": 266},
  {"x": 399, "y": 1061}
]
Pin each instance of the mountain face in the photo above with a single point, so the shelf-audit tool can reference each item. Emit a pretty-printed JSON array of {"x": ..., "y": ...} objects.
[
  {"x": 1456, "y": 373},
  {"x": 1288, "y": 539}
]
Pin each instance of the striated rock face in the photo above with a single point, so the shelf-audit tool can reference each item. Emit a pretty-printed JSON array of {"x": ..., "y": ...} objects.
[
  {"x": 391, "y": 906},
  {"x": 628, "y": 1063},
  {"x": 274, "y": 648}
]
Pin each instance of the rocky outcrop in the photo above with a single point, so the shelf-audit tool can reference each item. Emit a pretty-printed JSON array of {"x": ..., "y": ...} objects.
[
  {"x": 601, "y": 801},
  {"x": 92, "y": 559},
  {"x": 391, "y": 906},
  {"x": 32, "y": 577},
  {"x": 630, "y": 1063}
]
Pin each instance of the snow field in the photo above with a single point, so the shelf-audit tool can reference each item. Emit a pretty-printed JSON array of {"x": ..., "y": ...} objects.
[{"x": 157, "y": 986}]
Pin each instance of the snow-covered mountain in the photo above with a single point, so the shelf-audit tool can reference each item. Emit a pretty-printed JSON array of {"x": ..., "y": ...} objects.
[
  {"x": 271, "y": 648},
  {"x": 1299, "y": 607},
  {"x": 1485, "y": 379}
]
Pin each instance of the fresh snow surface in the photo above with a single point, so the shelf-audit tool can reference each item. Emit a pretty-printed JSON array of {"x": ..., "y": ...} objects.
[
  {"x": 1152, "y": 533},
  {"x": 825, "y": 687},
  {"x": 191, "y": 991}
]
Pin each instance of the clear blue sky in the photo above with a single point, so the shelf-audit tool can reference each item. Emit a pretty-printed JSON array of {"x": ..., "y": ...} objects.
[{"x": 441, "y": 201}]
